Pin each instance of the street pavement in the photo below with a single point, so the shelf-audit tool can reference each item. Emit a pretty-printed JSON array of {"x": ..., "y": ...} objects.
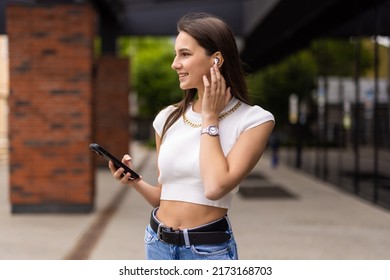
[{"x": 280, "y": 214}]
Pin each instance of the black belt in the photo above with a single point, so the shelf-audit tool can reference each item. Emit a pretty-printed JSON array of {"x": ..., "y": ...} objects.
[{"x": 212, "y": 233}]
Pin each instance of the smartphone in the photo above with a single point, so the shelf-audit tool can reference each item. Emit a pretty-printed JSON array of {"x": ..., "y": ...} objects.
[{"x": 104, "y": 153}]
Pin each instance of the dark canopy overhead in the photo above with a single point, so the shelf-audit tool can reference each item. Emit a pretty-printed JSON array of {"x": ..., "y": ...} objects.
[
  {"x": 270, "y": 29},
  {"x": 292, "y": 24}
]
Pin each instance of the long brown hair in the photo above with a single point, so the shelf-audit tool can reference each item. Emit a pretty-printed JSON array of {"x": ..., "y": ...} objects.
[{"x": 213, "y": 34}]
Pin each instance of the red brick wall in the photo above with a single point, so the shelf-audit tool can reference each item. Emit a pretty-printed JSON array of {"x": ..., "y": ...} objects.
[
  {"x": 112, "y": 106},
  {"x": 50, "y": 121}
]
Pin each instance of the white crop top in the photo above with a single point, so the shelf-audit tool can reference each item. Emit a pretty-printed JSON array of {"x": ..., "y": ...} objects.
[{"x": 178, "y": 159}]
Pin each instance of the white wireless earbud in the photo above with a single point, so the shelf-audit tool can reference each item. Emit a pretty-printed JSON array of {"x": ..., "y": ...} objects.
[{"x": 216, "y": 61}]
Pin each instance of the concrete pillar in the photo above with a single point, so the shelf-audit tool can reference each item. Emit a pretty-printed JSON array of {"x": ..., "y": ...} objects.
[
  {"x": 3, "y": 99},
  {"x": 51, "y": 107}
]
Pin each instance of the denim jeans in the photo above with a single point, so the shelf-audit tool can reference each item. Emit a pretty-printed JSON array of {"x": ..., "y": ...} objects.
[{"x": 156, "y": 249}]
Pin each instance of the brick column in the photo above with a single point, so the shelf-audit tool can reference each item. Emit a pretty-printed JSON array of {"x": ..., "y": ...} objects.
[
  {"x": 50, "y": 120},
  {"x": 112, "y": 105}
]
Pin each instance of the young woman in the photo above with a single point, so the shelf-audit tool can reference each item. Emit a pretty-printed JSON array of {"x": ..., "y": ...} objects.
[{"x": 206, "y": 145}]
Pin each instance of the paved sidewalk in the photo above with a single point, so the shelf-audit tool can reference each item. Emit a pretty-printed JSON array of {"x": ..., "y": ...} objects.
[{"x": 318, "y": 221}]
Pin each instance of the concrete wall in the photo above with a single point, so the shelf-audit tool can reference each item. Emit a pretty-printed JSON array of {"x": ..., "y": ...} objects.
[{"x": 3, "y": 99}]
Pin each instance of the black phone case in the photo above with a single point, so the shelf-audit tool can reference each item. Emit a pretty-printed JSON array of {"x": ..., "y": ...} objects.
[{"x": 104, "y": 153}]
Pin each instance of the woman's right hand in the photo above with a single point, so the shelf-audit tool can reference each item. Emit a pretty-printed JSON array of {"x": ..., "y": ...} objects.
[{"x": 117, "y": 173}]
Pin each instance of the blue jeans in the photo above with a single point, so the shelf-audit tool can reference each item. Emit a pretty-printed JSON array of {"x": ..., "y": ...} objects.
[{"x": 156, "y": 249}]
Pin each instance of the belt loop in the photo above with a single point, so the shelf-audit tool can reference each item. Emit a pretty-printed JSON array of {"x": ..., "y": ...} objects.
[
  {"x": 154, "y": 212},
  {"x": 186, "y": 238},
  {"x": 228, "y": 221}
]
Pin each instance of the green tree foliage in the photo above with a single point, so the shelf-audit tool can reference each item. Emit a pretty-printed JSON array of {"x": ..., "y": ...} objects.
[
  {"x": 336, "y": 57},
  {"x": 271, "y": 87},
  {"x": 153, "y": 79}
]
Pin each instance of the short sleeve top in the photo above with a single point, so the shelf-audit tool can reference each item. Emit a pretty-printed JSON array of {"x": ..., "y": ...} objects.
[{"x": 178, "y": 159}]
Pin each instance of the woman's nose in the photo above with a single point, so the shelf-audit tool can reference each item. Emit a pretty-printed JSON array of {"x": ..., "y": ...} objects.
[{"x": 175, "y": 64}]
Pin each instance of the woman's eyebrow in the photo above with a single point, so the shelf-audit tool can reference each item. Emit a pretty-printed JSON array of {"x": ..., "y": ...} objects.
[{"x": 183, "y": 50}]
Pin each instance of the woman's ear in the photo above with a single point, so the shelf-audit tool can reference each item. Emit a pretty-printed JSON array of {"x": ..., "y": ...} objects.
[{"x": 217, "y": 59}]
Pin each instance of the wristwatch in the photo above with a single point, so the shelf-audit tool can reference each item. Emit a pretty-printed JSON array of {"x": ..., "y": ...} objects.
[{"x": 211, "y": 130}]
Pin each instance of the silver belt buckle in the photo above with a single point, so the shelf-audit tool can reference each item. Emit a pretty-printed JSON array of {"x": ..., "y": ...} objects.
[{"x": 159, "y": 231}]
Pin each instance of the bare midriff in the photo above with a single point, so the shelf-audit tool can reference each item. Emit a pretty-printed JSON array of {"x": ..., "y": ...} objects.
[{"x": 182, "y": 215}]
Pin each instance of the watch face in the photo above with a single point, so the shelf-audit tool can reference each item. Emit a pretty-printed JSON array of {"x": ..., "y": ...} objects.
[{"x": 213, "y": 130}]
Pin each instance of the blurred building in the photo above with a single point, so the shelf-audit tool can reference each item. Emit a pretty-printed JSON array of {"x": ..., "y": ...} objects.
[{"x": 348, "y": 143}]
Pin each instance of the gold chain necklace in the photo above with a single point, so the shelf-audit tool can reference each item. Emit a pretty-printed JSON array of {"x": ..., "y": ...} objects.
[{"x": 222, "y": 116}]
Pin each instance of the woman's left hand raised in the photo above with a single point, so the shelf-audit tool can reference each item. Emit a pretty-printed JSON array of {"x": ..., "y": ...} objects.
[{"x": 216, "y": 95}]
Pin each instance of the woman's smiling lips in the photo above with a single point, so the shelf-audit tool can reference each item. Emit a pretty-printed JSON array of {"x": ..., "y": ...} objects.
[{"x": 182, "y": 75}]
